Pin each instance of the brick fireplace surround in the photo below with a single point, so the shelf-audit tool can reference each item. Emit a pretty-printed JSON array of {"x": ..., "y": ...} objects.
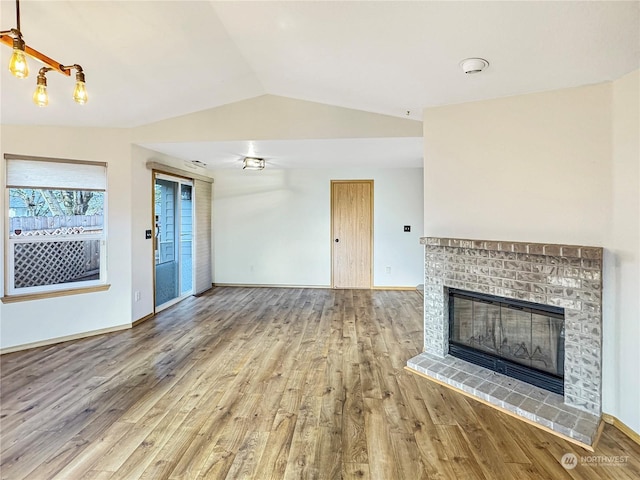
[{"x": 564, "y": 276}]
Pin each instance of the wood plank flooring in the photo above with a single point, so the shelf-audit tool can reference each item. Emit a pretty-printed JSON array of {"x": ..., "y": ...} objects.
[{"x": 246, "y": 383}]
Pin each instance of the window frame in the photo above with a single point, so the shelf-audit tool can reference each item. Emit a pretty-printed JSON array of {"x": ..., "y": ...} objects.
[{"x": 66, "y": 288}]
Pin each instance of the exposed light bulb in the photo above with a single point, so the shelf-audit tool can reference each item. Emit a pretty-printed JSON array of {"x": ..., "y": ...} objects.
[
  {"x": 40, "y": 96},
  {"x": 80, "y": 93},
  {"x": 18, "y": 65}
]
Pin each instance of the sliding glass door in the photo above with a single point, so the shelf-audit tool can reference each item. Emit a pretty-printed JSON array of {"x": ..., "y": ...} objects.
[{"x": 173, "y": 213}]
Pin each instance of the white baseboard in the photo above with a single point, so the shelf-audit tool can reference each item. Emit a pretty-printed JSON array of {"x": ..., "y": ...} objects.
[
  {"x": 274, "y": 285},
  {"x": 270, "y": 285},
  {"x": 628, "y": 431},
  {"x": 66, "y": 338}
]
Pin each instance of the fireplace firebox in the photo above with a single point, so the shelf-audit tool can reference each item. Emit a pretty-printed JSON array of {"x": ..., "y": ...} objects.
[{"x": 520, "y": 339}]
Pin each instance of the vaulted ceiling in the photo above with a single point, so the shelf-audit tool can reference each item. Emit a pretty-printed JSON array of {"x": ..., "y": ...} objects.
[{"x": 150, "y": 60}]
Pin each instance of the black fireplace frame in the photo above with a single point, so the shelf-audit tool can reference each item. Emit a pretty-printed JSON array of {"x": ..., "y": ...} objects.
[{"x": 531, "y": 375}]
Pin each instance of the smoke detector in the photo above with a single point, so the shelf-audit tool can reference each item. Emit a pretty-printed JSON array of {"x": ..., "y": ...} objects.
[{"x": 473, "y": 65}]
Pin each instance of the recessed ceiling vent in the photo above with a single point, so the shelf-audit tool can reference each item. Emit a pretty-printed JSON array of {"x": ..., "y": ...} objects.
[{"x": 473, "y": 65}]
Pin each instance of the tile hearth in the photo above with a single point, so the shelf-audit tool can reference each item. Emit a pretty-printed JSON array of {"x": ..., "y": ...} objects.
[
  {"x": 532, "y": 403},
  {"x": 565, "y": 276}
]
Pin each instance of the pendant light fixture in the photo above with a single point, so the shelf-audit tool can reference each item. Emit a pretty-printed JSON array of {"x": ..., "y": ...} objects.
[
  {"x": 19, "y": 67},
  {"x": 40, "y": 96}
]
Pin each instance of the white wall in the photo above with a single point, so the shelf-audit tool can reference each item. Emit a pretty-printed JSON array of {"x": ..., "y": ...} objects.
[
  {"x": 34, "y": 321},
  {"x": 270, "y": 117},
  {"x": 546, "y": 168},
  {"x": 622, "y": 311},
  {"x": 273, "y": 227},
  {"x": 531, "y": 167},
  {"x": 266, "y": 117},
  {"x": 142, "y": 220}
]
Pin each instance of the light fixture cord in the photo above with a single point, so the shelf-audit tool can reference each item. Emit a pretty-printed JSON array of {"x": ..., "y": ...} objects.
[
  {"x": 15, "y": 32},
  {"x": 18, "y": 16}
]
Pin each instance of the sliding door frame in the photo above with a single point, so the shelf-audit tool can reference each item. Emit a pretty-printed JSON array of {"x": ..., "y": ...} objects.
[{"x": 180, "y": 179}]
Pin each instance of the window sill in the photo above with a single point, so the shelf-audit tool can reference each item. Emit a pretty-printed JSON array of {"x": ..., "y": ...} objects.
[{"x": 58, "y": 293}]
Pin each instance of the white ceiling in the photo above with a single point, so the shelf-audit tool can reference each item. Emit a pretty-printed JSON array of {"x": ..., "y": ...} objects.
[
  {"x": 333, "y": 153},
  {"x": 150, "y": 60}
]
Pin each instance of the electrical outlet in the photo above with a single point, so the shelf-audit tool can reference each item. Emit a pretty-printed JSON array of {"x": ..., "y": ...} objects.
[
  {"x": 137, "y": 296},
  {"x": 387, "y": 270},
  {"x": 407, "y": 228}
]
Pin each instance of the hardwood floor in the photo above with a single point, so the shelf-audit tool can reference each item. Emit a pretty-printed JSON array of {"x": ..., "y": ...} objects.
[{"x": 268, "y": 384}]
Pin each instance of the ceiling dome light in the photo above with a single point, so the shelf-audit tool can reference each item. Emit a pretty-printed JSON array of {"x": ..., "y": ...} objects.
[
  {"x": 473, "y": 65},
  {"x": 253, "y": 163}
]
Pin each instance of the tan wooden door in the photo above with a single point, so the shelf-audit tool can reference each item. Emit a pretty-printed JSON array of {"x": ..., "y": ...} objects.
[{"x": 352, "y": 233}]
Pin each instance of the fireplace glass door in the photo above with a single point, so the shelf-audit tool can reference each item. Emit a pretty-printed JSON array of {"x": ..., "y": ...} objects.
[{"x": 508, "y": 335}]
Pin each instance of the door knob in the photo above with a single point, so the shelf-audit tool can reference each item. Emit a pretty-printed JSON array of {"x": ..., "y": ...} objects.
[{"x": 337, "y": 240}]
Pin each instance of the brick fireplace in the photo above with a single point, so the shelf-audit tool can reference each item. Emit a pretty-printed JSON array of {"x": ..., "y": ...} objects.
[{"x": 565, "y": 276}]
